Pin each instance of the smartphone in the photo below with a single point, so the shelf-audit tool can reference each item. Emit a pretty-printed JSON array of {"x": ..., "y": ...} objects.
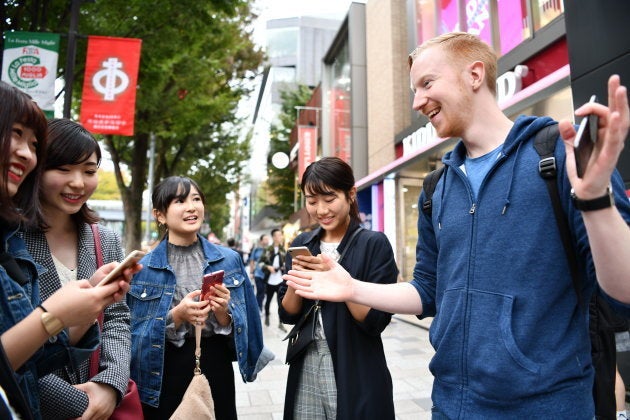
[
  {"x": 211, "y": 279},
  {"x": 129, "y": 261},
  {"x": 585, "y": 140},
  {"x": 299, "y": 250}
]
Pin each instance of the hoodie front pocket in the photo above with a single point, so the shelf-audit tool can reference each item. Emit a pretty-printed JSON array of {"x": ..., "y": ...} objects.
[{"x": 496, "y": 364}]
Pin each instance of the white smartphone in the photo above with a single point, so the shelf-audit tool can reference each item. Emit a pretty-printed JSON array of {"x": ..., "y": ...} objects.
[
  {"x": 299, "y": 250},
  {"x": 585, "y": 140},
  {"x": 129, "y": 261}
]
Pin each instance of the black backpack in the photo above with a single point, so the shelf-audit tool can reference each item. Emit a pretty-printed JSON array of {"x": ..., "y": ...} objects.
[{"x": 602, "y": 319}]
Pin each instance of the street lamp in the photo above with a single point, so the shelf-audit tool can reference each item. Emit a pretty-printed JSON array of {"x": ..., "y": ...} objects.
[{"x": 280, "y": 160}]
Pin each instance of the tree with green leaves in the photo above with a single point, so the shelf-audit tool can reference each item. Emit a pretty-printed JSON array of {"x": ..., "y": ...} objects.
[
  {"x": 282, "y": 182},
  {"x": 195, "y": 59}
]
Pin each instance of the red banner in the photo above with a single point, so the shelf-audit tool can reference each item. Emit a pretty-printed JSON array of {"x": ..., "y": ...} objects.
[
  {"x": 342, "y": 144},
  {"x": 307, "y": 138},
  {"x": 109, "y": 90}
]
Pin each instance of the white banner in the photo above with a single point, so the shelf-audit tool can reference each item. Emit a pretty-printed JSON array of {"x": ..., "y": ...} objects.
[{"x": 29, "y": 63}]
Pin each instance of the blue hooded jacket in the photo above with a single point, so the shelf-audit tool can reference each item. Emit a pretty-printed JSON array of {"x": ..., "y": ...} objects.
[{"x": 511, "y": 340}]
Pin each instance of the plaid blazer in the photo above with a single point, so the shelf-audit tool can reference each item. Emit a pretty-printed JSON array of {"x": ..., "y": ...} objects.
[{"x": 59, "y": 399}]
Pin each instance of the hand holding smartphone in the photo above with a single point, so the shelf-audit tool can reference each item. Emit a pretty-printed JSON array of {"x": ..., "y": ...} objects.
[
  {"x": 299, "y": 250},
  {"x": 130, "y": 260},
  {"x": 209, "y": 280},
  {"x": 585, "y": 139}
]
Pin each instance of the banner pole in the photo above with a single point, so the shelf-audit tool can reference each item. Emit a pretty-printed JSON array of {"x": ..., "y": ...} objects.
[{"x": 71, "y": 57}]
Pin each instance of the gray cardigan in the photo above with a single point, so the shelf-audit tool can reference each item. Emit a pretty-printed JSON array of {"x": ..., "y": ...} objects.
[{"x": 59, "y": 399}]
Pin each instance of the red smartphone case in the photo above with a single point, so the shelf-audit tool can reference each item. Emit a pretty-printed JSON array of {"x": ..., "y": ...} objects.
[{"x": 209, "y": 280}]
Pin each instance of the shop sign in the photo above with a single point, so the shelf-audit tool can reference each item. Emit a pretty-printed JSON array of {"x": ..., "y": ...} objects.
[
  {"x": 510, "y": 82},
  {"x": 420, "y": 138}
]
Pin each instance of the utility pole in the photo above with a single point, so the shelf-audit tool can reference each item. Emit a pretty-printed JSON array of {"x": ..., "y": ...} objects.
[
  {"x": 150, "y": 187},
  {"x": 70, "y": 57}
]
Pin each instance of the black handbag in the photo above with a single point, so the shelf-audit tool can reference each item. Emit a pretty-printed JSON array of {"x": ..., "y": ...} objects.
[{"x": 303, "y": 332}]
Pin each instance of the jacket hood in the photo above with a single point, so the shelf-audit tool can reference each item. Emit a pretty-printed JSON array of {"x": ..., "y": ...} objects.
[{"x": 524, "y": 127}]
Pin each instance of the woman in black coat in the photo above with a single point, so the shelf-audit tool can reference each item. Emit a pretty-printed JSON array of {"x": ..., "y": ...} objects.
[{"x": 343, "y": 373}]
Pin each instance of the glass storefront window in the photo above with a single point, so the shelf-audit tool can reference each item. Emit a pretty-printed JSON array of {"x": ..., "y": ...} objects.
[
  {"x": 478, "y": 19},
  {"x": 282, "y": 42},
  {"x": 505, "y": 24},
  {"x": 544, "y": 11},
  {"x": 410, "y": 191},
  {"x": 557, "y": 106},
  {"x": 339, "y": 97},
  {"x": 425, "y": 20},
  {"x": 449, "y": 16},
  {"x": 514, "y": 25}
]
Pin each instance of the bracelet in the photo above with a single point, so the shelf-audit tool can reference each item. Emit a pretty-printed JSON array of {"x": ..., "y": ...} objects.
[{"x": 51, "y": 323}]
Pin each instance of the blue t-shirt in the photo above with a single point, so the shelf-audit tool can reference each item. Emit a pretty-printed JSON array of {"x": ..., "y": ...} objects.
[
  {"x": 255, "y": 256},
  {"x": 477, "y": 168}
]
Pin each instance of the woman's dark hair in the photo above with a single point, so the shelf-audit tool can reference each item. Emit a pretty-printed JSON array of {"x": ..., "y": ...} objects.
[
  {"x": 168, "y": 190},
  {"x": 69, "y": 143},
  {"x": 18, "y": 107},
  {"x": 328, "y": 174}
]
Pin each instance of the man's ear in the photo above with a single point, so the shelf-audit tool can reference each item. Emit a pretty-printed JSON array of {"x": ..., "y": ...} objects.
[{"x": 477, "y": 73}]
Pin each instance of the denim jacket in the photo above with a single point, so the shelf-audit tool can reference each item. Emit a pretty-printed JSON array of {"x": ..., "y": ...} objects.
[
  {"x": 150, "y": 299},
  {"x": 16, "y": 303}
]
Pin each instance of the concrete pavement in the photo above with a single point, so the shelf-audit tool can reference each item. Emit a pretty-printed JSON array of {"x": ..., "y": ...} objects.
[{"x": 408, "y": 354}]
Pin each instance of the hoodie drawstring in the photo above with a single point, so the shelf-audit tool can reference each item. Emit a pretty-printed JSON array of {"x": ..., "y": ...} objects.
[{"x": 509, "y": 189}]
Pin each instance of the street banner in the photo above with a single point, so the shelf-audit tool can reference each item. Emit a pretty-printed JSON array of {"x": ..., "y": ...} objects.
[
  {"x": 307, "y": 151},
  {"x": 29, "y": 62},
  {"x": 342, "y": 144},
  {"x": 108, "y": 104}
]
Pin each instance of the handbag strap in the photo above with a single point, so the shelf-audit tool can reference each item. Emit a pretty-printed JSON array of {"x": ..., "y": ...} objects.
[
  {"x": 197, "y": 370},
  {"x": 95, "y": 357},
  {"x": 97, "y": 245},
  {"x": 350, "y": 241}
]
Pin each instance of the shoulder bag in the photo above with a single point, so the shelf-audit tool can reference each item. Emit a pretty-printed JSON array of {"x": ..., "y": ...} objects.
[
  {"x": 130, "y": 407},
  {"x": 197, "y": 402},
  {"x": 303, "y": 333}
]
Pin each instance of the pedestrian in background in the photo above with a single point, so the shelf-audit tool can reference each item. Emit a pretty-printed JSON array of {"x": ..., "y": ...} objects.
[
  {"x": 343, "y": 374},
  {"x": 231, "y": 243},
  {"x": 65, "y": 247},
  {"x": 272, "y": 264},
  {"x": 165, "y": 307},
  {"x": 511, "y": 338},
  {"x": 256, "y": 271}
]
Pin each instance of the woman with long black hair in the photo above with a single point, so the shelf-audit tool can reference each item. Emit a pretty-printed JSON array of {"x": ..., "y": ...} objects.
[{"x": 343, "y": 373}]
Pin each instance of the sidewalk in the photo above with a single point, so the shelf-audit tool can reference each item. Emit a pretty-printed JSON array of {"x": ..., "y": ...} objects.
[{"x": 408, "y": 353}]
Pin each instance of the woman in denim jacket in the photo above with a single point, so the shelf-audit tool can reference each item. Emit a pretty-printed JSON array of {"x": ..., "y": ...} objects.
[
  {"x": 164, "y": 304},
  {"x": 36, "y": 337}
]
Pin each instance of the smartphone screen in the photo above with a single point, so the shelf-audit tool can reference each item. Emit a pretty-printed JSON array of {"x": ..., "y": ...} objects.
[
  {"x": 585, "y": 141},
  {"x": 209, "y": 280}
]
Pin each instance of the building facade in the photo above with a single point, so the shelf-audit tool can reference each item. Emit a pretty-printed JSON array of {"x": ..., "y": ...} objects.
[{"x": 391, "y": 148}]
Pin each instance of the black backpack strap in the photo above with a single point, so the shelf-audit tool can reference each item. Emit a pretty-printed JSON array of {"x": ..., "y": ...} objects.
[
  {"x": 428, "y": 186},
  {"x": 545, "y": 144}
]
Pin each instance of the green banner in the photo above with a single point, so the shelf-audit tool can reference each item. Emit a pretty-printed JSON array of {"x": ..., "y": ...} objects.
[{"x": 29, "y": 63}]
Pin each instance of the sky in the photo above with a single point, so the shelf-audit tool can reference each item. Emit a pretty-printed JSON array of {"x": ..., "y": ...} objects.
[{"x": 273, "y": 9}]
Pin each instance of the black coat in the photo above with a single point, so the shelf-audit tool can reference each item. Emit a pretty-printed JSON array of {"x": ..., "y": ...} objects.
[{"x": 364, "y": 385}]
